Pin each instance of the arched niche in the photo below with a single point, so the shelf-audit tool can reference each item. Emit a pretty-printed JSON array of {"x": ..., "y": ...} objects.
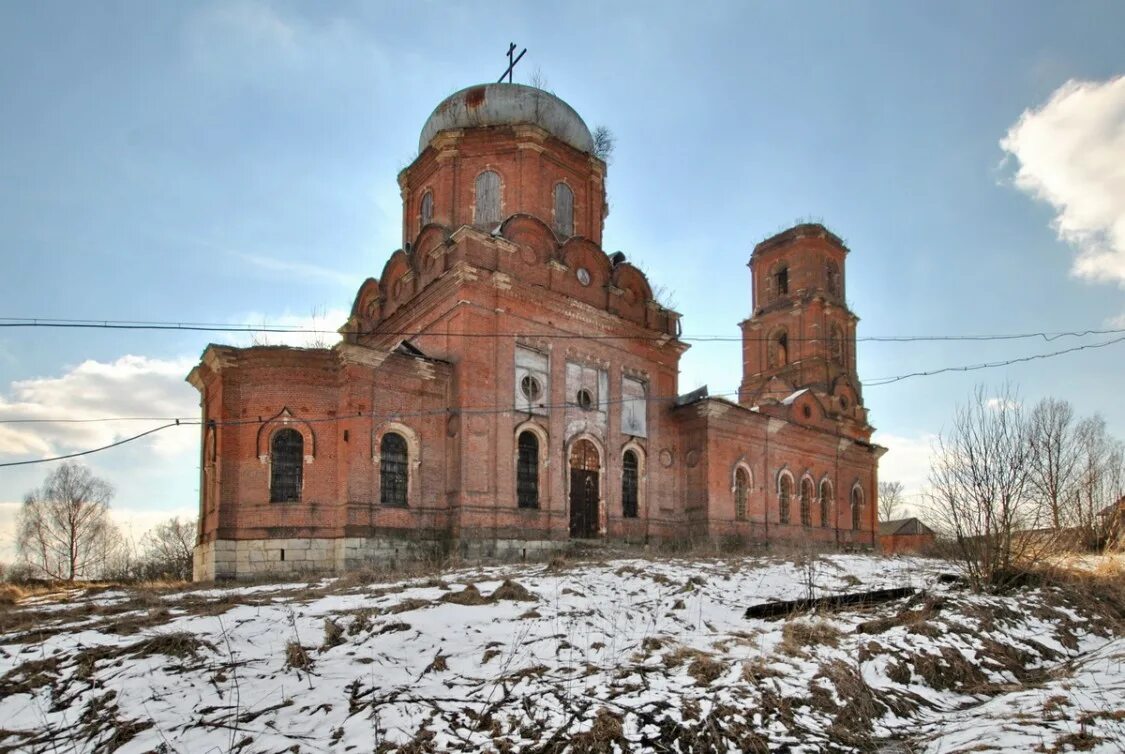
[{"x": 281, "y": 420}]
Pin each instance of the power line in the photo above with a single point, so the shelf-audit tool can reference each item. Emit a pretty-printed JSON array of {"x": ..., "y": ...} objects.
[
  {"x": 93, "y": 450},
  {"x": 31, "y": 322}
]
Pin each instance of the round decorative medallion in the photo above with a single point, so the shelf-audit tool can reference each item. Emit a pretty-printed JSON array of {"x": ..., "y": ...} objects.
[
  {"x": 666, "y": 458},
  {"x": 583, "y": 276},
  {"x": 691, "y": 458},
  {"x": 530, "y": 388}
]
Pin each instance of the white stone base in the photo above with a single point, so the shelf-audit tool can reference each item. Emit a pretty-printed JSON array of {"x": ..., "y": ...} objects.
[{"x": 253, "y": 558}]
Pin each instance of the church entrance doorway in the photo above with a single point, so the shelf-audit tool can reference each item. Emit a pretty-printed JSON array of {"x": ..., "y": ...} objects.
[{"x": 584, "y": 467}]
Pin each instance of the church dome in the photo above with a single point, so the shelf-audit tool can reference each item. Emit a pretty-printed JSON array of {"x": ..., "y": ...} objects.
[{"x": 508, "y": 105}]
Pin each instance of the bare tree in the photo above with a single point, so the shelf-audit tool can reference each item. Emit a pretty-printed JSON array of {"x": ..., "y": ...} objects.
[
  {"x": 890, "y": 500},
  {"x": 979, "y": 487},
  {"x": 1056, "y": 454},
  {"x": 604, "y": 142},
  {"x": 168, "y": 549},
  {"x": 1100, "y": 479},
  {"x": 64, "y": 527}
]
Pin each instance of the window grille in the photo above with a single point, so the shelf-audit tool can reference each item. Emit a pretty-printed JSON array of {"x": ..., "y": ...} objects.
[
  {"x": 785, "y": 492},
  {"x": 629, "y": 484},
  {"x": 287, "y": 455},
  {"x": 741, "y": 493},
  {"x": 806, "y": 502},
  {"x": 825, "y": 503},
  {"x": 393, "y": 460},
  {"x": 527, "y": 470}
]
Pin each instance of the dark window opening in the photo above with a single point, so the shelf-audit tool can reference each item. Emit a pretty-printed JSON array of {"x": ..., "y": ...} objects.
[
  {"x": 530, "y": 388},
  {"x": 527, "y": 470},
  {"x": 832, "y": 273},
  {"x": 393, "y": 459},
  {"x": 857, "y": 506},
  {"x": 630, "y": 481},
  {"x": 741, "y": 493},
  {"x": 585, "y": 399},
  {"x": 781, "y": 281},
  {"x": 784, "y": 493},
  {"x": 287, "y": 455},
  {"x": 283, "y": 555}
]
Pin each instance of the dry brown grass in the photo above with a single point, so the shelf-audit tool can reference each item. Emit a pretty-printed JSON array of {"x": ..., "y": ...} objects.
[
  {"x": 703, "y": 667},
  {"x": 797, "y": 636},
  {"x": 607, "y": 734},
  {"x": 297, "y": 657},
  {"x": 513, "y": 590}
]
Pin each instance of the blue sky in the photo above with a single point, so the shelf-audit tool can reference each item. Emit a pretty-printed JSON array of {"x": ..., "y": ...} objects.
[{"x": 236, "y": 162}]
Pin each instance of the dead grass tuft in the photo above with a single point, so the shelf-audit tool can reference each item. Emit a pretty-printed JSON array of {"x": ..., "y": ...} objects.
[
  {"x": 949, "y": 671},
  {"x": 470, "y": 595},
  {"x": 297, "y": 657},
  {"x": 607, "y": 734},
  {"x": 333, "y": 634},
  {"x": 799, "y": 635},
  {"x": 438, "y": 664},
  {"x": 756, "y": 670},
  {"x": 513, "y": 590},
  {"x": 703, "y": 667}
]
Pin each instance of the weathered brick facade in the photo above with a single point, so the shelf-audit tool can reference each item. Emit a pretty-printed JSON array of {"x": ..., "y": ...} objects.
[{"x": 505, "y": 386}]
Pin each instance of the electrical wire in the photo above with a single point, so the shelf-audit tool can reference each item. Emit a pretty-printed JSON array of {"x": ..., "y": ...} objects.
[{"x": 93, "y": 450}]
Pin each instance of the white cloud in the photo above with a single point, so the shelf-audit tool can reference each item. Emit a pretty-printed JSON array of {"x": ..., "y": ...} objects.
[
  {"x": 302, "y": 269},
  {"x": 907, "y": 460},
  {"x": 1071, "y": 154},
  {"x": 131, "y": 386},
  {"x": 8, "y": 514},
  {"x": 995, "y": 404}
]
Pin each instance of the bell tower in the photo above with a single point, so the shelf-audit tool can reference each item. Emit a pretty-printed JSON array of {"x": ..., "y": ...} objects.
[{"x": 801, "y": 335}]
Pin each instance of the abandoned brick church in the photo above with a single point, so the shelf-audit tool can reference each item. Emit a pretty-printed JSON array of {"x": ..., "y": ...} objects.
[{"x": 505, "y": 386}]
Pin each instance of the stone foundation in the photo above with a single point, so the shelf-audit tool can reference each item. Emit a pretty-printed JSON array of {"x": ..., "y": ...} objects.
[{"x": 253, "y": 558}]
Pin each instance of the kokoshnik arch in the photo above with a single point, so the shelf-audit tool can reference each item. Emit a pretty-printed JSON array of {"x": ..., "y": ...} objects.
[{"x": 534, "y": 401}]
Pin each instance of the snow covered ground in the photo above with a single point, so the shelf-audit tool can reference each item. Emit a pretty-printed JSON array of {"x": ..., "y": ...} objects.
[{"x": 620, "y": 655}]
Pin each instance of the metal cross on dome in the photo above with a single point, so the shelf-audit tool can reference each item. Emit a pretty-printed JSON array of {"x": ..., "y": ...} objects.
[{"x": 511, "y": 63}]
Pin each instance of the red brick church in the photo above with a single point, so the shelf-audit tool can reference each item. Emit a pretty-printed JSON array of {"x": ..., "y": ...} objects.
[{"x": 505, "y": 387}]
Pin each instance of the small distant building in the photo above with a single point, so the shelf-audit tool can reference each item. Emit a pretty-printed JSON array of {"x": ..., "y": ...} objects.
[{"x": 904, "y": 535}]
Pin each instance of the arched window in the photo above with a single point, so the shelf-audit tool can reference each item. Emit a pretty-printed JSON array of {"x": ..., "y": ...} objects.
[
  {"x": 784, "y": 494},
  {"x": 806, "y": 501},
  {"x": 427, "y": 208},
  {"x": 287, "y": 454},
  {"x": 857, "y": 507},
  {"x": 630, "y": 482},
  {"x": 393, "y": 459},
  {"x": 527, "y": 470},
  {"x": 832, "y": 275},
  {"x": 825, "y": 503},
  {"x": 778, "y": 348},
  {"x": 487, "y": 210},
  {"x": 564, "y": 210},
  {"x": 741, "y": 493}
]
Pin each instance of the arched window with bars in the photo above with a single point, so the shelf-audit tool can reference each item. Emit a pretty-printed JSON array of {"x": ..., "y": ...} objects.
[
  {"x": 393, "y": 470},
  {"x": 741, "y": 493},
  {"x": 630, "y": 484},
  {"x": 527, "y": 470},
  {"x": 287, "y": 456},
  {"x": 857, "y": 507},
  {"x": 784, "y": 496},
  {"x": 825, "y": 503},
  {"x": 806, "y": 501}
]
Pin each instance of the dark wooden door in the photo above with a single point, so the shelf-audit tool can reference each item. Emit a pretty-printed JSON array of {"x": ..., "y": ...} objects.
[
  {"x": 584, "y": 468},
  {"x": 583, "y": 503}
]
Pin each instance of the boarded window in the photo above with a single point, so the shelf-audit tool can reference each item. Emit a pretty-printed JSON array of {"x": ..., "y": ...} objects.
[
  {"x": 806, "y": 502},
  {"x": 427, "y": 208},
  {"x": 825, "y": 503},
  {"x": 564, "y": 210},
  {"x": 784, "y": 494},
  {"x": 857, "y": 507},
  {"x": 393, "y": 460},
  {"x": 629, "y": 484},
  {"x": 487, "y": 210},
  {"x": 592, "y": 380},
  {"x": 287, "y": 454},
  {"x": 741, "y": 493},
  {"x": 527, "y": 470},
  {"x": 634, "y": 408},
  {"x": 531, "y": 381}
]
